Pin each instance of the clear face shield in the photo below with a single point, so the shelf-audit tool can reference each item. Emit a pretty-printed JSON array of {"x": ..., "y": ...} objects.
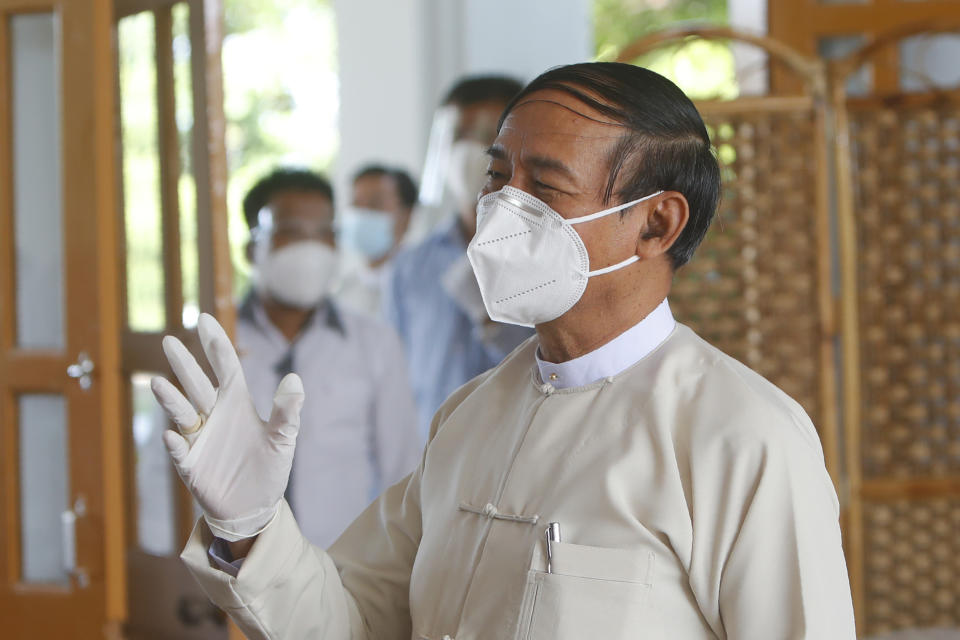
[
  {"x": 274, "y": 232},
  {"x": 456, "y": 163},
  {"x": 436, "y": 164}
]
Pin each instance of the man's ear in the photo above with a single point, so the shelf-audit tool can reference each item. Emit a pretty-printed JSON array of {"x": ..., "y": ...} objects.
[{"x": 666, "y": 220}]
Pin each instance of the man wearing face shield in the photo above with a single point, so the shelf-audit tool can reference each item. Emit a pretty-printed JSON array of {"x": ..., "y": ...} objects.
[
  {"x": 431, "y": 295},
  {"x": 370, "y": 231},
  {"x": 359, "y": 432},
  {"x": 614, "y": 477}
]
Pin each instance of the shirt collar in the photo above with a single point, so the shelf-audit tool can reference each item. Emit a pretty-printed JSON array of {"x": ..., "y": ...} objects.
[
  {"x": 622, "y": 352},
  {"x": 252, "y": 311}
]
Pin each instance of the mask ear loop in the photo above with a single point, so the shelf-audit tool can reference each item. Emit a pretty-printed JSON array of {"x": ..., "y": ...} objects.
[
  {"x": 606, "y": 212},
  {"x": 614, "y": 267}
]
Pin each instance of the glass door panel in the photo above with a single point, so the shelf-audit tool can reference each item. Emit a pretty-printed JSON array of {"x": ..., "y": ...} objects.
[
  {"x": 37, "y": 186},
  {"x": 155, "y": 498},
  {"x": 141, "y": 173},
  {"x": 46, "y": 529}
]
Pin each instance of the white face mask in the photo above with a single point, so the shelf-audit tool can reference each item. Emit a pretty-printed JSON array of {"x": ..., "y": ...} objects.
[
  {"x": 468, "y": 172},
  {"x": 532, "y": 266},
  {"x": 299, "y": 274}
]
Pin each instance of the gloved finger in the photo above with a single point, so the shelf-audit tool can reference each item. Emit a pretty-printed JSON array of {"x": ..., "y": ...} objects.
[
  {"x": 220, "y": 352},
  {"x": 177, "y": 408},
  {"x": 194, "y": 381},
  {"x": 177, "y": 448},
  {"x": 287, "y": 402}
]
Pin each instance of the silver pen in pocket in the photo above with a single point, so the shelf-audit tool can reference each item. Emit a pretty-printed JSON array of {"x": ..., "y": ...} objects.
[{"x": 553, "y": 535}]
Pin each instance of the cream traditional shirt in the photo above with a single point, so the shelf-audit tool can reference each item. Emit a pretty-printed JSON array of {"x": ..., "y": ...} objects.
[{"x": 691, "y": 494}]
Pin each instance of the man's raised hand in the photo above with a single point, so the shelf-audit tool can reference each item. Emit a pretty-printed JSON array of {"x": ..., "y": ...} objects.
[{"x": 234, "y": 463}]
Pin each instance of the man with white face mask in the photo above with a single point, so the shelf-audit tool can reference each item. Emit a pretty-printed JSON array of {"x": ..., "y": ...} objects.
[
  {"x": 431, "y": 296},
  {"x": 615, "y": 477},
  {"x": 359, "y": 432}
]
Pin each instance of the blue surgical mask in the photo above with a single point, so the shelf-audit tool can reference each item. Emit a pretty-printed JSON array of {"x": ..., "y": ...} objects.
[{"x": 365, "y": 231}]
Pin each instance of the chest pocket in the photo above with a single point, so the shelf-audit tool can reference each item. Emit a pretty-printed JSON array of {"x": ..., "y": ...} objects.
[{"x": 592, "y": 592}]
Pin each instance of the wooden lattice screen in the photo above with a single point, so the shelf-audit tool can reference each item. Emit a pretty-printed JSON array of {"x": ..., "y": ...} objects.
[
  {"x": 905, "y": 171},
  {"x": 753, "y": 289},
  {"x": 760, "y": 287},
  {"x": 832, "y": 203}
]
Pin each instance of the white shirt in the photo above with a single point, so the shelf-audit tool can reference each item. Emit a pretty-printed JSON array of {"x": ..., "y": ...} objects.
[
  {"x": 358, "y": 430},
  {"x": 617, "y": 355},
  {"x": 360, "y": 286}
]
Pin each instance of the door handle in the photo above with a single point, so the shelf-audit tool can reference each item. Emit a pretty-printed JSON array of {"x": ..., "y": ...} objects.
[
  {"x": 68, "y": 541},
  {"x": 81, "y": 370}
]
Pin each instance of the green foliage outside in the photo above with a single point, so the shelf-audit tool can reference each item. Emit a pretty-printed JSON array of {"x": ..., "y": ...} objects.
[
  {"x": 703, "y": 69},
  {"x": 141, "y": 175},
  {"x": 280, "y": 79},
  {"x": 280, "y": 86}
]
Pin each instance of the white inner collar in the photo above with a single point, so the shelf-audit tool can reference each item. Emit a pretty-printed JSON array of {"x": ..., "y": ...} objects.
[{"x": 619, "y": 354}]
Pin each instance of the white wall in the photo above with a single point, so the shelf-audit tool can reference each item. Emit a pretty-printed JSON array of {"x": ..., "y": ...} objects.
[
  {"x": 397, "y": 58},
  {"x": 380, "y": 50},
  {"x": 525, "y": 38}
]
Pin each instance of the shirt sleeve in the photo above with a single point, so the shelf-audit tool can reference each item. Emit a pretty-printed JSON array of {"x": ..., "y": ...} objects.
[
  {"x": 289, "y": 588},
  {"x": 767, "y": 556},
  {"x": 219, "y": 553}
]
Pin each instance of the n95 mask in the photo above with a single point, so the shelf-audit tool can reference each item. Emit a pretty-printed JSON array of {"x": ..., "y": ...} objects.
[
  {"x": 298, "y": 275},
  {"x": 530, "y": 263}
]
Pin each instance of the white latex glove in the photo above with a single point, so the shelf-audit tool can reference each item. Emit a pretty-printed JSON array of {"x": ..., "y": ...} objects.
[{"x": 235, "y": 464}]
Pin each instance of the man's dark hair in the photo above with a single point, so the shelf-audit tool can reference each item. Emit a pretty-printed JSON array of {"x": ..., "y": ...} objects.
[
  {"x": 666, "y": 146},
  {"x": 406, "y": 187},
  {"x": 474, "y": 89},
  {"x": 280, "y": 180}
]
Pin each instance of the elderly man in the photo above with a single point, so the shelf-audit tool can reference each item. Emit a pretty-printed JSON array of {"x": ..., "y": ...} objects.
[{"x": 615, "y": 477}]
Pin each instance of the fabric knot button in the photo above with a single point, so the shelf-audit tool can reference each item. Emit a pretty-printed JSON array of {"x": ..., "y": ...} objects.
[{"x": 489, "y": 510}]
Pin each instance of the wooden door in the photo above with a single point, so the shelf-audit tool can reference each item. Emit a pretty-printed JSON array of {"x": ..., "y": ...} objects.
[
  {"x": 61, "y": 499},
  {"x": 174, "y": 264}
]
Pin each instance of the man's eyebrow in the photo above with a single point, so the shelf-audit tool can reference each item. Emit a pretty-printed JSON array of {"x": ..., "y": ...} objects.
[
  {"x": 552, "y": 164},
  {"x": 497, "y": 152}
]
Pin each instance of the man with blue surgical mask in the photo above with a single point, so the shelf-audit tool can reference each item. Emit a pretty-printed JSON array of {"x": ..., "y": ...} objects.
[
  {"x": 359, "y": 430},
  {"x": 369, "y": 232},
  {"x": 432, "y": 297}
]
